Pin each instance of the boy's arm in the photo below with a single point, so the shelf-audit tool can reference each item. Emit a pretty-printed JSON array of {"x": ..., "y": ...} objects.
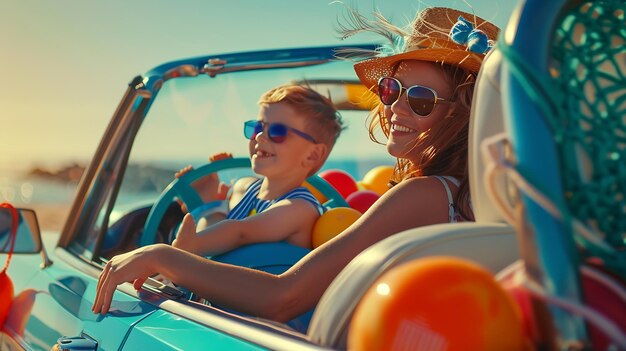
[
  {"x": 283, "y": 219},
  {"x": 236, "y": 194}
]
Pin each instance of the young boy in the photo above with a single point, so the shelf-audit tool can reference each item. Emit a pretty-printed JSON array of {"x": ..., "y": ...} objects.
[{"x": 288, "y": 142}]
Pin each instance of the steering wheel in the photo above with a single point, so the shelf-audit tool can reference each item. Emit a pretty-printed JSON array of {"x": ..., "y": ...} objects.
[{"x": 181, "y": 188}]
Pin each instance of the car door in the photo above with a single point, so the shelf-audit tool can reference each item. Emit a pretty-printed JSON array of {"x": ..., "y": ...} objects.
[
  {"x": 53, "y": 294},
  {"x": 53, "y": 307}
]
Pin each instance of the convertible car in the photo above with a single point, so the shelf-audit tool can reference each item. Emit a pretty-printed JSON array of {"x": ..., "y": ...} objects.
[
  {"x": 178, "y": 114},
  {"x": 181, "y": 112}
]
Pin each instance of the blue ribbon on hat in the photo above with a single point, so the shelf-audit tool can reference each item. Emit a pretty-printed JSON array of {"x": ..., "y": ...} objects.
[{"x": 476, "y": 40}]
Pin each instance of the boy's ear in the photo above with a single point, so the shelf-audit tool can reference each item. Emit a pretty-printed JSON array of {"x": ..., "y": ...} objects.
[{"x": 317, "y": 153}]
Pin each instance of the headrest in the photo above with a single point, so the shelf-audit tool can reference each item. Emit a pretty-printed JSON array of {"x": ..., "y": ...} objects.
[{"x": 486, "y": 120}]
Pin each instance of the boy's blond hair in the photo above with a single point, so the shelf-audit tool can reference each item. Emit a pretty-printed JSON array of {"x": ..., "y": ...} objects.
[{"x": 323, "y": 121}]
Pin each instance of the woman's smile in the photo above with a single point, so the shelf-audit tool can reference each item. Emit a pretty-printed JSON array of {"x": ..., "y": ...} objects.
[{"x": 400, "y": 129}]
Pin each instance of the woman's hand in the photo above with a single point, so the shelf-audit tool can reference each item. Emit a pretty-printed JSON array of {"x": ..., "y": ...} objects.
[{"x": 133, "y": 266}]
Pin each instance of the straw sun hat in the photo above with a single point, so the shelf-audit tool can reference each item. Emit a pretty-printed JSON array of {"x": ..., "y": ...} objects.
[{"x": 439, "y": 35}]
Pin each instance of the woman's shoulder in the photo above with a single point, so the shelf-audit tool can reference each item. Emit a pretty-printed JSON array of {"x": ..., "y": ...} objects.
[
  {"x": 422, "y": 183},
  {"x": 434, "y": 192},
  {"x": 413, "y": 202},
  {"x": 415, "y": 190},
  {"x": 424, "y": 190},
  {"x": 451, "y": 179}
]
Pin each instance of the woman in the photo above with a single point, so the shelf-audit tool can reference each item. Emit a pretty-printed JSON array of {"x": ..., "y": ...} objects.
[{"x": 425, "y": 94}]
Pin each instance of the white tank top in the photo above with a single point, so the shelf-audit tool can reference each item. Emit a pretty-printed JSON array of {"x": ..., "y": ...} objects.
[{"x": 453, "y": 214}]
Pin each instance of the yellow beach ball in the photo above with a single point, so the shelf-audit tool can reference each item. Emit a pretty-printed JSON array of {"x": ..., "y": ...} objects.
[
  {"x": 333, "y": 222},
  {"x": 377, "y": 178}
]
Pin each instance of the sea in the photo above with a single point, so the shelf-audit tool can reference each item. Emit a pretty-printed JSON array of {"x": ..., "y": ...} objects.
[
  {"x": 20, "y": 189},
  {"x": 25, "y": 190}
]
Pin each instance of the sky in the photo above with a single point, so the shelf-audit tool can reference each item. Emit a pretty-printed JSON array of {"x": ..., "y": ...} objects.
[{"x": 65, "y": 63}]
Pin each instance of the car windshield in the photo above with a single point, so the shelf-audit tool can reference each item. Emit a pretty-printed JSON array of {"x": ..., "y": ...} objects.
[{"x": 192, "y": 118}]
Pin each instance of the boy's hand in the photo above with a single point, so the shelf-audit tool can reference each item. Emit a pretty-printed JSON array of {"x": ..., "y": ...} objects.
[
  {"x": 209, "y": 187},
  {"x": 222, "y": 189},
  {"x": 220, "y": 156},
  {"x": 186, "y": 236}
]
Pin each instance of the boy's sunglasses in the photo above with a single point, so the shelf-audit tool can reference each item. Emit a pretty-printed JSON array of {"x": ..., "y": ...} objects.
[
  {"x": 421, "y": 99},
  {"x": 276, "y": 132}
]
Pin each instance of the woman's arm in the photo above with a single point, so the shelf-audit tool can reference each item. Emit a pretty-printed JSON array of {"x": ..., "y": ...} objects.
[
  {"x": 413, "y": 203},
  {"x": 202, "y": 276}
]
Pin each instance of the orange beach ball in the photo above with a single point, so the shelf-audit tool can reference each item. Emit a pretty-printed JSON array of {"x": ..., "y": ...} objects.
[{"x": 436, "y": 303}]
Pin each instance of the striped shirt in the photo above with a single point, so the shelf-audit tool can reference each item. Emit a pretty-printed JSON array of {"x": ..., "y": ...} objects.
[{"x": 250, "y": 204}]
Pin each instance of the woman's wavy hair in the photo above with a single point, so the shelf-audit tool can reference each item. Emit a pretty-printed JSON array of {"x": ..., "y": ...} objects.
[{"x": 445, "y": 146}]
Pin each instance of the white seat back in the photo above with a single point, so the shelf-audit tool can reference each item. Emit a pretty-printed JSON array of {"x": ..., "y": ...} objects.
[{"x": 486, "y": 120}]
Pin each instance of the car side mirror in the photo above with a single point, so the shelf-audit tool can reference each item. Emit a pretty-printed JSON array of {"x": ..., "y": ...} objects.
[{"x": 28, "y": 238}]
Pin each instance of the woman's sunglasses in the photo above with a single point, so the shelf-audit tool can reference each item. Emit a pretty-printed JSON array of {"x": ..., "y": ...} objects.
[
  {"x": 421, "y": 99},
  {"x": 276, "y": 132}
]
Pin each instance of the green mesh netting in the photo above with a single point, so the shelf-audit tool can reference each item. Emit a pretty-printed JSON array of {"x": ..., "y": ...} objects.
[
  {"x": 589, "y": 68},
  {"x": 584, "y": 105}
]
